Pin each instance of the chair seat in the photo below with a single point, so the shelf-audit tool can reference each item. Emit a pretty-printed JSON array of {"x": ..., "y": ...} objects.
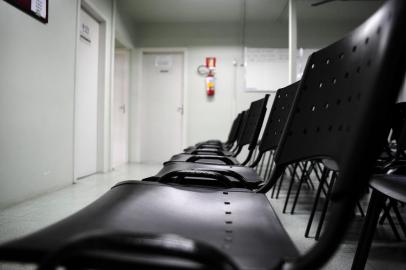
[
  {"x": 391, "y": 185},
  {"x": 249, "y": 174},
  {"x": 184, "y": 157},
  {"x": 255, "y": 238}
]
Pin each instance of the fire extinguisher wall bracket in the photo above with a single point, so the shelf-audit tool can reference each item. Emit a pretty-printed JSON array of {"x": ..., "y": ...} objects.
[{"x": 202, "y": 70}]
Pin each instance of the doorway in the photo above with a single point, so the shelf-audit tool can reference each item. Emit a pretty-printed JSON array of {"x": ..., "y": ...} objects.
[
  {"x": 86, "y": 98},
  {"x": 120, "y": 107},
  {"x": 161, "y": 105}
]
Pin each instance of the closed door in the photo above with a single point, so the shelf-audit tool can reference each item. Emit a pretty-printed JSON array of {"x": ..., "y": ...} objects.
[
  {"x": 120, "y": 108},
  {"x": 86, "y": 97},
  {"x": 161, "y": 106}
]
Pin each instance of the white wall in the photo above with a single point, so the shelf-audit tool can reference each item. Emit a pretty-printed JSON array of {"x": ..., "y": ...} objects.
[
  {"x": 36, "y": 101},
  {"x": 37, "y": 84}
]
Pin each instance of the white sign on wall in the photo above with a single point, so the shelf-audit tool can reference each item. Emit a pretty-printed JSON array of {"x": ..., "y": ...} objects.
[
  {"x": 163, "y": 63},
  {"x": 85, "y": 33}
]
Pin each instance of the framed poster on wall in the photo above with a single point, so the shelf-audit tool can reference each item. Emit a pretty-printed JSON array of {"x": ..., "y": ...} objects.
[{"x": 38, "y": 9}]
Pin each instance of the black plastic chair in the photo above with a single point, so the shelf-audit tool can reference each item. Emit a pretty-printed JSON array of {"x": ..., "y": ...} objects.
[
  {"x": 390, "y": 187},
  {"x": 236, "y": 228},
  {"x": 232, "y": 137},
  {"x": 251, "y": 128},
  {"x": 273, "y": 130}
]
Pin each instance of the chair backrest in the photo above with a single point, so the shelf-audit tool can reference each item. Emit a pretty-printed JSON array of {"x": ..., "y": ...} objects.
[
  {"x": 341, "y": 113},
  {"x": 232, "y": 136},
  {"x": 277, "y": 117},
  {"x": 244, "y": 118},
  {"x": 253, "y": 123}
]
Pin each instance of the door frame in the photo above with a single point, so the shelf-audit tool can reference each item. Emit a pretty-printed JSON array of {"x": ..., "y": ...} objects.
[
  {"x": 105, "y": 83},
  {"x": 176, "y": 50}
]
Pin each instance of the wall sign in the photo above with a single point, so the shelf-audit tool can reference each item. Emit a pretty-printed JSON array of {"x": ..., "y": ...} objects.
[
  {"x": 85, "y": 33},
  {"x": 38, "y": 9},
  {"x": 163, "y": 63}
]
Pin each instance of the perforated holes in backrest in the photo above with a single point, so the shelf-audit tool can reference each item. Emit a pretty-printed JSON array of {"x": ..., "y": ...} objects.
[
  {"x": 256, "y": 114},
  {"x": 277, "y": 117},
  {"x": 341, "y": 104}
]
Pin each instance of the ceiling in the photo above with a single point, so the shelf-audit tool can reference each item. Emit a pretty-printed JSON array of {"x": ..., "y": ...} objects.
[{"x": 203, "y": 11}]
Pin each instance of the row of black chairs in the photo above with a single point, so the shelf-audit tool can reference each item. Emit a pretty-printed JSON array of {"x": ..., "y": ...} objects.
[{"x": 206, "y": 210}]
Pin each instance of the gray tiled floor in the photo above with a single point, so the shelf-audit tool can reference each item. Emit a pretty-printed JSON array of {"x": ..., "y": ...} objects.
[{"x": 37, "y": 213}]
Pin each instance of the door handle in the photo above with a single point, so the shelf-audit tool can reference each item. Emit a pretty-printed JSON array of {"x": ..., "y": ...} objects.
[
  {"x": 122, "y": 108},
  {"x": 180, "y": 110}
]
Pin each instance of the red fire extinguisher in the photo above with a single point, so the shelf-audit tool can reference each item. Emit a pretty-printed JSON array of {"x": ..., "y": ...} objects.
[
  {"x": 210, "y": 84},
  {"x": 210, "y": 78}
]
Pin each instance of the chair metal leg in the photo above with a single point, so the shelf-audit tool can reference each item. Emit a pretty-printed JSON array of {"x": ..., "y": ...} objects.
[
  {"x": 280, "y": 183},
  {"x": 393, "y": 226},
  {"x": 309, "y": 180},
  {"x": 302, "y": 179},
  {"x": 368, "y": 230},
  {"x": 360, "y": 209},
  {"x": 385, "y": 214},
  {"x": 280, "y": 186},
  {"x": 399, "y": 216},
  {"x": 261, "y": 165},
  {"x": 303, "y": 172},
  {"x": 325, "y": 207},
  {"x": 267, "y": 166},
  {"x": 270, "y": 165},
  {"x": 254, "y": 157},
  {"x": 292, "y": 210},
  {"x": 319, "y": 170},
  {"x": 316, "y": 201},
  {"x": 274, "y": 188},
  {"x": 288, "y": 194}
]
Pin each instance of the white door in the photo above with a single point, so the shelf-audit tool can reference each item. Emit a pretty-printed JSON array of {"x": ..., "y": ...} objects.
[
  {"x": 161, "y": 106},
  {"x": 120, "y": 108},
  {"x": 86, "y": 97}
]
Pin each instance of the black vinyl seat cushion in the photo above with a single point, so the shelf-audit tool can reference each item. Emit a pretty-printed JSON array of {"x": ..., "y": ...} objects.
[
  {"x": 252, "y": 179},
  {"x": 393, "y": 186},
  {"x": 250, "y": 234}
]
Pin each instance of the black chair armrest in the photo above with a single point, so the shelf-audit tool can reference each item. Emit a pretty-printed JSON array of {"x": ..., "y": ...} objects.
[
  {"x": 224, "y": 159},
  {"x": 196, "y": 173},
  {"x": 208, "y": 151},
  {"x": 209, "y": 146}
]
